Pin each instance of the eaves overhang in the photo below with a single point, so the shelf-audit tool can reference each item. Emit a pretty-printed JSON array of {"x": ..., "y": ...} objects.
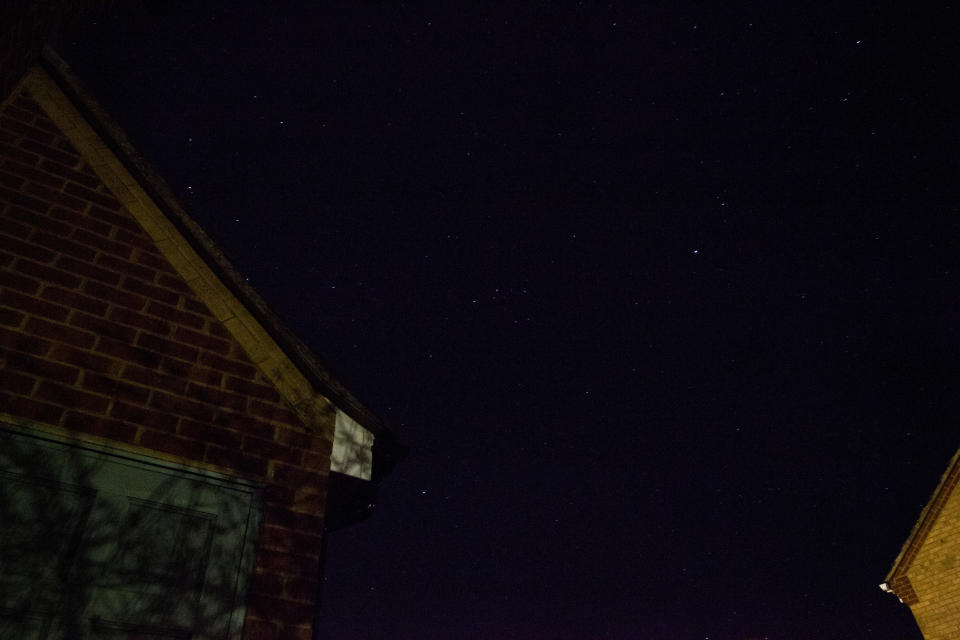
[
  {"x": 896, "y": 580},
  {"x": 382, "y": 447}
]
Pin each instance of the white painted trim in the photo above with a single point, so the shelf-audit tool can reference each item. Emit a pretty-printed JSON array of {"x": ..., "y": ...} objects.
[{"x": 352, "y": 448}]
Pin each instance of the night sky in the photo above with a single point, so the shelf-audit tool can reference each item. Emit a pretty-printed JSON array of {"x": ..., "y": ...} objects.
[{"x": 663, "y": 298}]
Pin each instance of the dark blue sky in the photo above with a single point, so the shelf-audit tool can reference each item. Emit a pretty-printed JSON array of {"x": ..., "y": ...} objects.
[{"x": 662, "y": 298}]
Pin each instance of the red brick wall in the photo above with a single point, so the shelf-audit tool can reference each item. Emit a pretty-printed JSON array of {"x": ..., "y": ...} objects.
[{"x": 100, "y": 335}]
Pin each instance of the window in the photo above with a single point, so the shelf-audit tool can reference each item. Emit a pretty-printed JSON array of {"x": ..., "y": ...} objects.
[{"x": 100, "y": 544}]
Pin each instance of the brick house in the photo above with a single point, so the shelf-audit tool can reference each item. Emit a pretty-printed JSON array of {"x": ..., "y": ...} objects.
[
  {"x": 926, "y": 574},
  {"x": 171, "y": 457}
]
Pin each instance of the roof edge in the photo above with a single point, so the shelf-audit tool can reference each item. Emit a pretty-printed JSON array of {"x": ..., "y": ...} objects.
[
  {"x": 309, "y": 364},
  {"x": 924, "y": 523}
]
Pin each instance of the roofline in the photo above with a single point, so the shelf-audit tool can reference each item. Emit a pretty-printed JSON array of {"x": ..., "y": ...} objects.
[
  {"x": 908, "y": 552},
  {"x": 309, "y": 364}
]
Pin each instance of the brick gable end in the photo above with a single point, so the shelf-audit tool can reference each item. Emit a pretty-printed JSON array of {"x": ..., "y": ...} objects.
[{"x": 100, "y": 335}]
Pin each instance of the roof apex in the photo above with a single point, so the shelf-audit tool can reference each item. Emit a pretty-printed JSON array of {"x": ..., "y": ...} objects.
[{"x": 306, "y": 363}]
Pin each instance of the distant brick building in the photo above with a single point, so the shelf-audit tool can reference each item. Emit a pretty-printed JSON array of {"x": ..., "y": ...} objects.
[
  {"x": 926, "y": 574},
  {"x": 171, "y": 457}
]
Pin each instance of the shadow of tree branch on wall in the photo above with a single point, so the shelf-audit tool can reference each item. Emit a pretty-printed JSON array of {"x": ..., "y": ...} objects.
[{"x": 102, "y": 545}]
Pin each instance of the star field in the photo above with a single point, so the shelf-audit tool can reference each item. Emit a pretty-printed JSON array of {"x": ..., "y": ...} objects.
[{"x": 661, "y": 298}]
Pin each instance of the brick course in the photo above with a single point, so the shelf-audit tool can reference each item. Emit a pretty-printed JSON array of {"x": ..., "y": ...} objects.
[
  {"x": 101, "y": 336},
  {"x": 934, "y": 576},
  {"x": 927, "y": 577}
]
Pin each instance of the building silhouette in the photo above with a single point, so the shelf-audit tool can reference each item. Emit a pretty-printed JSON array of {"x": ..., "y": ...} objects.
[
  {"x": 926, "y": 574},
  {"x": 172, "y": 458}
]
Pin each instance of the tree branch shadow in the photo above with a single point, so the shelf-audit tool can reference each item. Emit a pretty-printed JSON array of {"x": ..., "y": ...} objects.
[{"x": 101, "y": 546}]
